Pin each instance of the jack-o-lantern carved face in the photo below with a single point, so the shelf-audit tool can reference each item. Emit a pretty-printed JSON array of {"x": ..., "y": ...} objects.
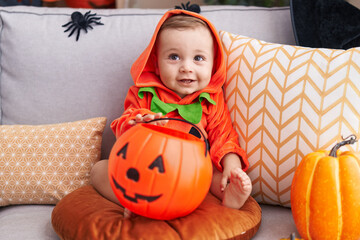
[
  {"x": 159, "y": 172},
  {"x": 134, "y": 175}
]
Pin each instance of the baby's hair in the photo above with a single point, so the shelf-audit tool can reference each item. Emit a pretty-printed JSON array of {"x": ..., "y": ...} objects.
[{"x": 183, "y": 21}]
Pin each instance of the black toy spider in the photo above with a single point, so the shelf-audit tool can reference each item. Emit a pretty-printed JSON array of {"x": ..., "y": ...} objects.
[
  {"x": 188, "y": 7},
  {"x": 79, "y": 21}
]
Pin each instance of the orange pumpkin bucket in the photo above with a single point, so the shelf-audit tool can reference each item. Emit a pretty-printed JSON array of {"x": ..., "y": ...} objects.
[{"x": 159, "y": 172}]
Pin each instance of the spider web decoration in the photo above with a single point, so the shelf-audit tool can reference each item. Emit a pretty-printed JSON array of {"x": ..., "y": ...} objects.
[
  {"x": 81, "y": 22},
  {"x": 188, "y": 7}
]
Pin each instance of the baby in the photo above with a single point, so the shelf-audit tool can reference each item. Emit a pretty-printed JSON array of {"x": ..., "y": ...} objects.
[{"x": 183, "y": 66}]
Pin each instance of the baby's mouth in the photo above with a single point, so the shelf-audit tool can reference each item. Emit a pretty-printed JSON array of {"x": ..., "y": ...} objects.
[{"x": 186, "y": 81}]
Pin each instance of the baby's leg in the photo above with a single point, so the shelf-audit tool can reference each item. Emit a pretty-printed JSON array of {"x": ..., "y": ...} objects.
[
  {"x": 236, "y": 192},
  {"x": 100, "y": 181}
]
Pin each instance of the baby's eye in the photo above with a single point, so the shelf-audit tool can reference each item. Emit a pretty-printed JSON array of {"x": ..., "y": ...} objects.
[
  {"x": 199, "y": 58},
  {"x": 174, "y": 57}
]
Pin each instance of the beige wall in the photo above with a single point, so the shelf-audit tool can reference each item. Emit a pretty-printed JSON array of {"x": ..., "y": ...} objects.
[{"x": 153, "y": 3}]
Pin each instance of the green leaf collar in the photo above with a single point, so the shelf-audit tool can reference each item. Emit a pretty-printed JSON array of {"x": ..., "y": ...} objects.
[{"x": 190, "y": 112}]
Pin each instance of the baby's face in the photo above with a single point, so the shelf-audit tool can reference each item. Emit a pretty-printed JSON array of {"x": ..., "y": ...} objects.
[{"x": 185, "y": 59}]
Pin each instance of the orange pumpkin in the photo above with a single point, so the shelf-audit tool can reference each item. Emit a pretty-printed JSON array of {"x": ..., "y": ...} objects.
[
  {"x": 325, "y": 194},
  {"x": 159, "y": 172}
]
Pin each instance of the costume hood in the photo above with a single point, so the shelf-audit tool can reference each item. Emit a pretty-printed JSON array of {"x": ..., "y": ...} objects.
[{"x": 144, "y": 68}]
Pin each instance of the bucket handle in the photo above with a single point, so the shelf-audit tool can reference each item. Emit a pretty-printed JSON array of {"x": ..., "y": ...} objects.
[{"x": 207, "y": 147}]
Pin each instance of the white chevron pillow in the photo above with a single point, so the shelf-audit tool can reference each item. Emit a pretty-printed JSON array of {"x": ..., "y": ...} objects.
[{"x": 287, "y": 101}]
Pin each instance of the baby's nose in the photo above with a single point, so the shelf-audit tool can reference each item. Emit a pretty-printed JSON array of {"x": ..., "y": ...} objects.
[{"x": 186, "y": 67}]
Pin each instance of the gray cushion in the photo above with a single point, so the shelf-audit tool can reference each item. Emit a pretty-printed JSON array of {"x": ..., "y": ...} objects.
[
  {"x": 26, "y": 222},
  {"x": 276, "y": 223},
  {"x": 47, "y": 77},
  {"x": 35, "y": 223}
]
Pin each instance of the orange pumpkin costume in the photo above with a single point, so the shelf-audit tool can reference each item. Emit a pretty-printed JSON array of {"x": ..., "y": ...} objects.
[{"x": 215, "y": 119}]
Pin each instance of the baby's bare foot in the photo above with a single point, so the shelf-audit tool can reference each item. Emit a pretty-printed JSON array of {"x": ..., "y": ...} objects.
[{"x": 238, "y": 190}]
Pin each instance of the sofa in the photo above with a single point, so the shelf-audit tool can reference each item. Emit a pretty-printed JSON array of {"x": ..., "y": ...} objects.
[{"x": 48, "y": 78}]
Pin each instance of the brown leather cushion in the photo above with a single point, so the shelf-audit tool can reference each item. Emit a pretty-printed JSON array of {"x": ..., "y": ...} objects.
[{"x": 84, "y": 214}]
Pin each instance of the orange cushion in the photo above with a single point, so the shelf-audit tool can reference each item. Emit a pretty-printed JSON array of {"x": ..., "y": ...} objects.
[{"x": 84, "y": 214}]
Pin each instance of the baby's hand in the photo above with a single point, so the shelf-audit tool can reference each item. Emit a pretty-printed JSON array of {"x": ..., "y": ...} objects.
[{"x": 148, "y": 117}]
